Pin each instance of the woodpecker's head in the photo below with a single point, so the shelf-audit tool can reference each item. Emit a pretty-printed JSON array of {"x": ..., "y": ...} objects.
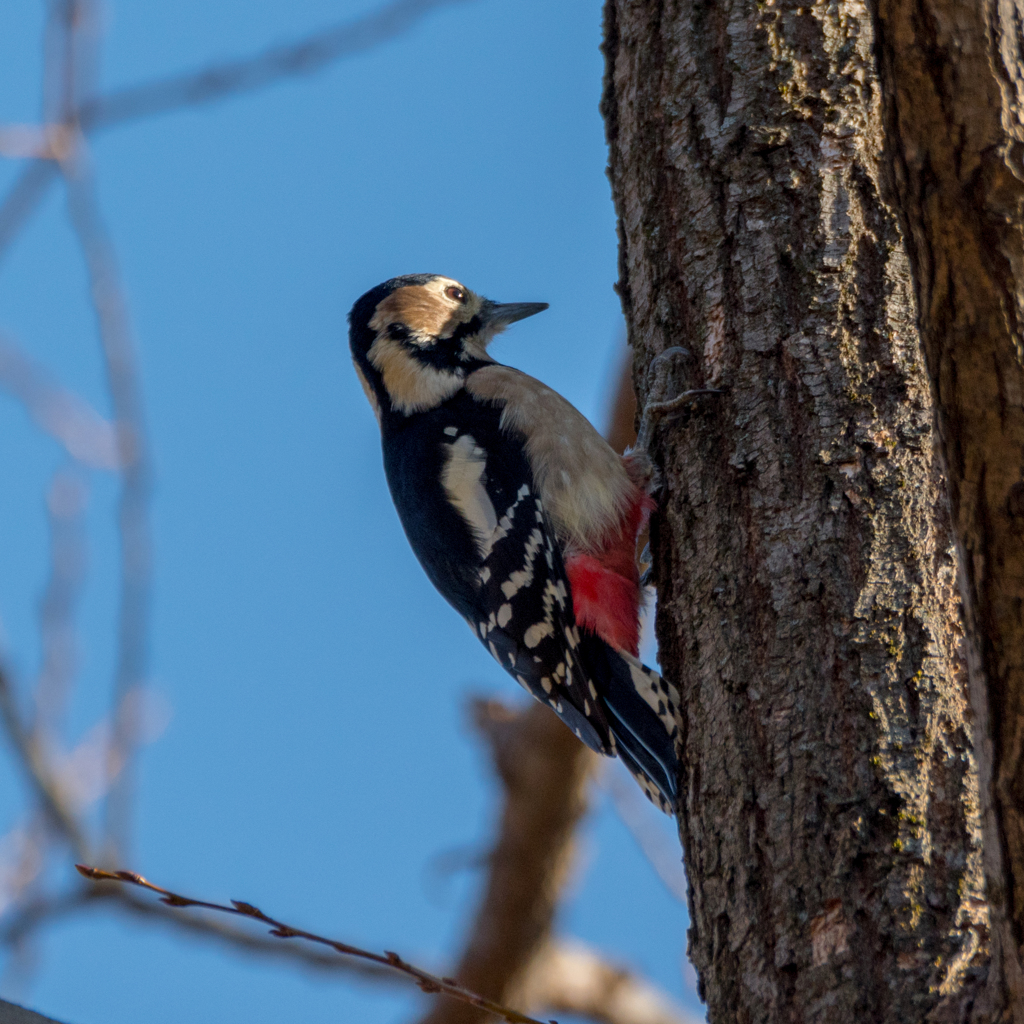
[{"x": 415, "y": 338}]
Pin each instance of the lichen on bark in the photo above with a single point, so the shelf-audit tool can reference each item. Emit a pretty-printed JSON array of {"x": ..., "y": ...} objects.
[{"x": 805, "y": 564}]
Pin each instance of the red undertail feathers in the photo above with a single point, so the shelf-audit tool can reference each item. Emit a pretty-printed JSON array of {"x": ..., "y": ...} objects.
[{"x": 606, "y": 586}]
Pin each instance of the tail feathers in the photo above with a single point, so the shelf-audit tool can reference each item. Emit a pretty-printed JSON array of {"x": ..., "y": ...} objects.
[
  {"x": 660, "y": 694},
  {"x": 651, "y": 791},
  {"x": 641, "y": 710}
]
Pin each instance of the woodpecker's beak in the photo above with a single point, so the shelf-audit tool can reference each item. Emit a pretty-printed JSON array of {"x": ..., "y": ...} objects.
[{"x": 501, "y": 314}]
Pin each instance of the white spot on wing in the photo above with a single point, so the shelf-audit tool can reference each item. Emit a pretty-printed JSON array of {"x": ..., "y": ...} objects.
[
  {"x": 537, "y": 632},
  {"x": 647, "y": 684},
  {"x": 523, "y": 577}
]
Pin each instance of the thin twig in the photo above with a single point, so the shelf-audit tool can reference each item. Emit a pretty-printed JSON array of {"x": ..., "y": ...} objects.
[
  {"x": 118, "y": 349},
  {"x": 426, "y": 981},
  {"x": 36, "y": 767},
  {"x": 85, "y": 435},
  {"x": 245, "y": 74},
  {"x": 175, "y": 92},
  {"x": 32, "y": 914},
  {"x": 637, "y": 815},
  {"x": 23, "y": 199}
]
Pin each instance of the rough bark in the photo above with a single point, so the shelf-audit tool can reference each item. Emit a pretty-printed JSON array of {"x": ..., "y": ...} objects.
[
  {"x": 953, "y": 91},
  {"x": 806, "y": 570}
]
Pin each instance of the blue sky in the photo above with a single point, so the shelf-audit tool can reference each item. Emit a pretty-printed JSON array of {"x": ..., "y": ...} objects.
[{"x": 318, "y": 758}]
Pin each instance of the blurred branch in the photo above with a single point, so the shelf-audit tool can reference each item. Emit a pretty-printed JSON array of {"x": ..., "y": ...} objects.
[
  {"x": 31, "y": 756},
  {"x": 570, "y": 978},
  {"x": 544, "y": 772},
  {"x": 302, "y": 57},
  {"x": 48, "y": 144},
  {"x": 22, "y": 200},
  {"x": 85, "y": 435},
  {"x": 71, "y": 60},
  {"x": 118, "y": 349},
  {"x": 635, "y": 811},
  {"x": 510, "y": 954},
  {"x": 426, "y": 981}
]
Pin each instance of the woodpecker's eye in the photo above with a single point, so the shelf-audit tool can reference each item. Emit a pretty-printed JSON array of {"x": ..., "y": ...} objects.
[{"x": 453, "y": 291}]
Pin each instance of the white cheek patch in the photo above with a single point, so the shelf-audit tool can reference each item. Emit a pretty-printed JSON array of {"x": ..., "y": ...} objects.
[
  {"x": 412, "y": 386},
  {"x": 463, "y": 480}
]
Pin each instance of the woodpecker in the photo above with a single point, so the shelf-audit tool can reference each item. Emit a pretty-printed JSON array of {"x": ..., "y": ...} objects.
[{"x": 521, "y": 514}]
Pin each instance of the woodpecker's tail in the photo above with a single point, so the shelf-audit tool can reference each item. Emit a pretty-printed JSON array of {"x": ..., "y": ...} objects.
[{"x": 642, "y": 711}]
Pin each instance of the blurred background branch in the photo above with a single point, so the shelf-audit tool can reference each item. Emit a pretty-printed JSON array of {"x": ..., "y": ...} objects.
[{"x": 46, "y": 146}]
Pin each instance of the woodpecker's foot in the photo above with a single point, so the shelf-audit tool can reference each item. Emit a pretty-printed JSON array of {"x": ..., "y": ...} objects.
[{"x": 660, "y": 383}]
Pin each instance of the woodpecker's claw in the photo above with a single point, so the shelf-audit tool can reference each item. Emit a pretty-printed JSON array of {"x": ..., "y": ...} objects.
[
  {"x": 659, "y": 378},
  {"x": 658, "y": 407}
]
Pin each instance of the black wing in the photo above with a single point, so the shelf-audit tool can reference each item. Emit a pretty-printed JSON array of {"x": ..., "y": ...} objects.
[{"x": 525, "y": 617}]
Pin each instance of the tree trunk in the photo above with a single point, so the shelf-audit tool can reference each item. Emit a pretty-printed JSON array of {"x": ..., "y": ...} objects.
[
  {"x": 804, "y": 554},
  {"x": 953, "y": 88}
]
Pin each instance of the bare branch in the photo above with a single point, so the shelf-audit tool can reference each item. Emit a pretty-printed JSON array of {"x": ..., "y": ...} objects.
[
  {"x": 38, "y": 912},
  {"x": 118, "y": 349},
  {"x": 23, "y": 199},
  {"x": 426, "y": 981},
  {"x": 544, "y": 771},
  {"x": 638, "y": 816},
  {"x": 34, "y": 763},
  {"x": 204, "y": 86},
  {"x": 219, "y": 80},
  {"x": 571, "y": 978},
  {"x": 84, "y": 434}
]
